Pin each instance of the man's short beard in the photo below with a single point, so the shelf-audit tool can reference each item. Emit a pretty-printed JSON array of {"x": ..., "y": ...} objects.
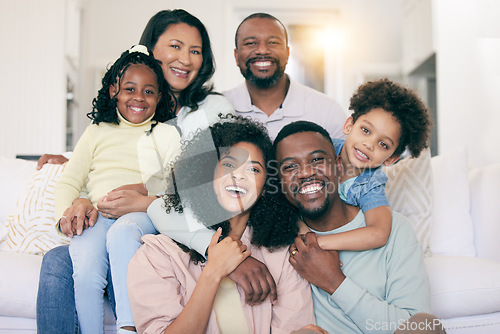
[
  {"x": 314, "y": 213},
  {"x": 263, "y": 83}
]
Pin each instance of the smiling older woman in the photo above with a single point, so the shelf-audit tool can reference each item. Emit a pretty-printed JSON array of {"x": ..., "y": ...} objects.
[{"x": 179, "y": 41}]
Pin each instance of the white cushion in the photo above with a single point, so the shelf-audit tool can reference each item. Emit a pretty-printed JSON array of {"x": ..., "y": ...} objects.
[
  {"x": 31, "y": 225},
  {"x": 452, "y": 231},
  {"x": 475, "y": 324},
  {"x": 462, "y": 286},
  {"x": 14, "y": 175},
  {"x": 409, "y": 191},
  {"x": 485, "y": 210},
  {"x": 19, "y": 276}
]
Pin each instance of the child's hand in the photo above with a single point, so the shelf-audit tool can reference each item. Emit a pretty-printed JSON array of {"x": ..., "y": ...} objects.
[{"x": 226, "y": 255}]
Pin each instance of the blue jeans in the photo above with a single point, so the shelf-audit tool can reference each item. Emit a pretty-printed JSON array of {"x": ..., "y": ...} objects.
[
  {"x": 108, "y": 246},
  {"x": 122, "y": 241},
  {"x": 55, "y": 306}
]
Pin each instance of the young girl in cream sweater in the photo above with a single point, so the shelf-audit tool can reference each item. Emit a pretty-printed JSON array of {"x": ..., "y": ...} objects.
[{"x": 126, "y": 144}]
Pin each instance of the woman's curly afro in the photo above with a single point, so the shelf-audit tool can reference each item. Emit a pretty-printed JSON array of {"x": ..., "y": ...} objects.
[{"x": 272, "y": 218}]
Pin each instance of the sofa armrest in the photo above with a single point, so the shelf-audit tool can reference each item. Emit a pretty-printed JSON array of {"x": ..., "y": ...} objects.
[
  {"x": 485, "y": 210},
  {"x": 463, "y": 286}
]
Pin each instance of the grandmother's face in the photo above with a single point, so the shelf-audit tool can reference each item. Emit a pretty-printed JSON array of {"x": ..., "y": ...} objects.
[
  {"x": 239, "y": 177},
  {"x": 179, "y": 49}
]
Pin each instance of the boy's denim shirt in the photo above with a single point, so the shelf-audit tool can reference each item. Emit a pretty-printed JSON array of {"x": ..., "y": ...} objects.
[{"x": 366, "y": 190}]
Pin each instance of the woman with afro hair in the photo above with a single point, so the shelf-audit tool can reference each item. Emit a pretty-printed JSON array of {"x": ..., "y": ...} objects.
[{"x": 174, "y": 289}]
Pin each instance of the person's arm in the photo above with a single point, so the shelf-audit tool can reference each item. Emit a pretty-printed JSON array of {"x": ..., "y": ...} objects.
[
  {"x": 175, "y": 225},
  {"x": 374, "y": 235},
  {"x": 74, "y": 176},
  {"x": 139, "y": 187},
  {"x": 123, "y": 200},
  {"x": 223, "y": 257},
  {"x": 56, "y": 159},
  {"x": 317, "y": 266},
  {"x": 154, "y": 287},
  {"x": 79, "y": 216},
  {"x": 407, "y": 287},
  {"x": 251, "y": 275}
]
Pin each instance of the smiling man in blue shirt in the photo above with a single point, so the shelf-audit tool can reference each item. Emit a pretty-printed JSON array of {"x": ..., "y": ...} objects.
[{"x": 375, "y": 291}]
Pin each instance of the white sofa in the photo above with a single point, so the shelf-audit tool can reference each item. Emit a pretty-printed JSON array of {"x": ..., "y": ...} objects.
[{"x": 464, "y": 269}]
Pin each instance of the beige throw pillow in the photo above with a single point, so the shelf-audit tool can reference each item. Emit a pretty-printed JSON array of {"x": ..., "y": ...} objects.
[
  {"x": 409, "y": 191},
  {"x": 31, "y": 225}
]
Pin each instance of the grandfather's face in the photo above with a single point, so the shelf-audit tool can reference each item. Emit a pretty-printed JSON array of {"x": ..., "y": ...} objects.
[
  {"x": 262, "y": 51},
  {"x": 307, "y": 169}
]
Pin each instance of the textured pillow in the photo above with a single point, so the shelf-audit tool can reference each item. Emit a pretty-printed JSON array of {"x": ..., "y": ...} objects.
[
  {"x": 409, "y": 191},
  {"x": 452, "y": 230},
  {"x": 31, "y": 226},
  {"x": 14, "y": 175}
]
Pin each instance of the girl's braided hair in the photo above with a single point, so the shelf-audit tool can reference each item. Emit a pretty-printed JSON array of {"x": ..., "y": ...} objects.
[{"x": 104, "y": 105}]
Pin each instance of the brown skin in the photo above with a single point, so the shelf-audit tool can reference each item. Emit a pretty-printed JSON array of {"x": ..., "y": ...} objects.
[
  {"x": 81, "y": 215},
  {"x": 256, "y": 280},
  {"x": 306, "y": 159},
  {"x": 55, "y": 159},
  {"x": 251, "y": 275},
  {"x": 315, "y": 264},
  {"x": 264, "y": 38},
  {"x": 270, "y": 41}
]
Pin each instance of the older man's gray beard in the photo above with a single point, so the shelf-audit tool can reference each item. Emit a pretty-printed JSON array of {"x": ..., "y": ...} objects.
[{"x": 263, "y": 83}]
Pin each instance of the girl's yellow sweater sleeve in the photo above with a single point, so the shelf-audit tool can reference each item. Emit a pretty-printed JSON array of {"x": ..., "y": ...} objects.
[{"x": 74, "y": 176}]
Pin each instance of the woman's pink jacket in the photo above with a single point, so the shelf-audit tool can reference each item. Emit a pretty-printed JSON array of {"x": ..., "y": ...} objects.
[{"x": 161, "y": 279}]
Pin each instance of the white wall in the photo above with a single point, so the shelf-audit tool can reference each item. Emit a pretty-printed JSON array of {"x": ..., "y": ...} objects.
[
  {"x": 32, "y": 77},
  {"x": 468, "y": 77},
  {"x": 371, "y": 30},
  {"x": 32, "y": 88}
]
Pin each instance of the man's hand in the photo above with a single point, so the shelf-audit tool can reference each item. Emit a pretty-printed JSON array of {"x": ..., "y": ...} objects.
[
  {"x": 256, "y": 280},
  {"x": 55, "y": 159},
  {"x": 319, "y": 267},
  {"x": 119, "y": 202},
  {"x": 81, "y": 215}
]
